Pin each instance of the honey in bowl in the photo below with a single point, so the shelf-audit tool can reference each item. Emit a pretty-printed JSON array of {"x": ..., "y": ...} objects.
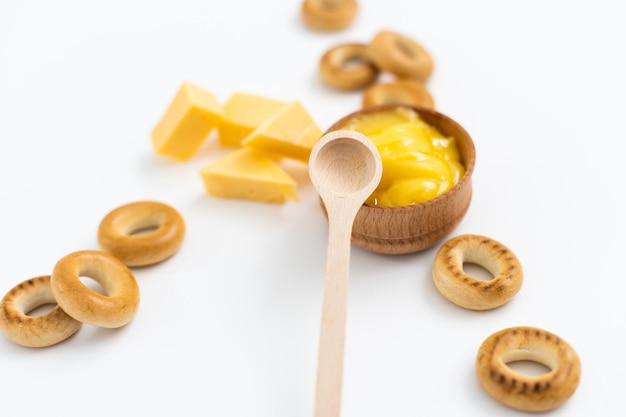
[
  {"x": 428, "y": 161},
  {"x": 419, "y": 161}
]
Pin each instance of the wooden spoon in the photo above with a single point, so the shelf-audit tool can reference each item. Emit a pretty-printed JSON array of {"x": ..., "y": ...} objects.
[{"x": 345, "y": 168}]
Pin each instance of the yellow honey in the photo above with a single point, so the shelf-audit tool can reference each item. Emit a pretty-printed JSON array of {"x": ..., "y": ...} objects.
[{"x": 419, "y": 162}]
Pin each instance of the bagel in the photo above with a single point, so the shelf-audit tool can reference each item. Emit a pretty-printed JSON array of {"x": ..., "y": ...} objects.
[
  {"x": 528, "y": 393},
  {"x": 113, "y": 309},
  {"x": 467, "y": 291},
  {"x": 402, "y": 91},
  {"x": 118, "y": 232},
  {"x": 38, "y": 330},
  {"x": 400, "y": 55},
  {"x": 329, "y": 15},
  {"x": 347, "y": 67}
]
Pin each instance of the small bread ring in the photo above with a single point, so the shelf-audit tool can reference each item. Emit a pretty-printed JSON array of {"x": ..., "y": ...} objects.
[
  {"x": 400, "y": 55},
  {"x": 403, "y": 91},
  {"x": 34, "y": 331},
  {"x": 467, "y": 291},
  {"x": 347, "y": 67},
  {"x": 522, "y": 392},
  {"x": 115, "y": 309},
  {"x": 118, "y": 233},
  {"x": 329, "y": 15}
]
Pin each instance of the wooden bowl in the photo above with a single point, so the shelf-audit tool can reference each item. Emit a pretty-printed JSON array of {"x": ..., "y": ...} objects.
[{"x": 415, "y": 227}]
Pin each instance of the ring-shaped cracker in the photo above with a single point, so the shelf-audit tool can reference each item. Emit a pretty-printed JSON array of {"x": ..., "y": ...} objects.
[
  {"x": 120, "y": 232},
  {"x": 523, "y": 392},
  {"x": 42, "y": 330},
  {"x": 467, "y": 291},
  {"x": 120, "y": 301},
  {"x": 402, "y": 91},
  {"x": 329, "y": 15},
  {"x": 400, "y": 55},
  {"x": 347, "y": 67}
]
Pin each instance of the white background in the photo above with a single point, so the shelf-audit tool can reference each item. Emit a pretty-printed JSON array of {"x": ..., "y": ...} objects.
[{"x": 229, "y": 325}]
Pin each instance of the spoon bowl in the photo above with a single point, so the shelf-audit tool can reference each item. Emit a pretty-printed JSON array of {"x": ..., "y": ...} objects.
[{"x": 344, "y": 163}]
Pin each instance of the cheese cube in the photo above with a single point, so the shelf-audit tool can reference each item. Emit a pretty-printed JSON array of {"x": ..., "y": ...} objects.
[
  {"x": 242, "y": 114},
  {"x": 190, "y": 117},
  {"x": 249, "y": 174},
  {"x": 291, "y": 132}
]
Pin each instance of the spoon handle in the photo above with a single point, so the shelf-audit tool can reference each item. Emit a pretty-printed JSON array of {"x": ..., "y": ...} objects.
[{"x": 334, "y": 310}]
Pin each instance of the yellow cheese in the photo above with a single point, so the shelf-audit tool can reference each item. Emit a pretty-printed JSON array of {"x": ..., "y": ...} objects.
[
  {"x": 249, "y": 174},
  {"x": 291, "y": 133},
  {"x": 190, "y": 117},
  {"x": 242, "y": 114}
]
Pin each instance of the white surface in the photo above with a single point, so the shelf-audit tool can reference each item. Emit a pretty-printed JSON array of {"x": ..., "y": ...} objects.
[{"x": 229, "y": 325}]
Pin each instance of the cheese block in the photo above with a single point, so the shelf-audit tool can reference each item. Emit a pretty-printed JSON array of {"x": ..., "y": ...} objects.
[
  {"x": 247, "y": 173},
  {"x": 291, "y": 132},
  {"x": 186, "y": 123},
  {"x": 242, "y": 114}
]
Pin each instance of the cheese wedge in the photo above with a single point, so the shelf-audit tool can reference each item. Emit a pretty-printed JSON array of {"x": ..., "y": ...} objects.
[
  {"x": 190, "y": 117},
  {"x": 248, "y": 174},
  {"x": 291, "y": 132},
  {"x": 242, "y": 114}
]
